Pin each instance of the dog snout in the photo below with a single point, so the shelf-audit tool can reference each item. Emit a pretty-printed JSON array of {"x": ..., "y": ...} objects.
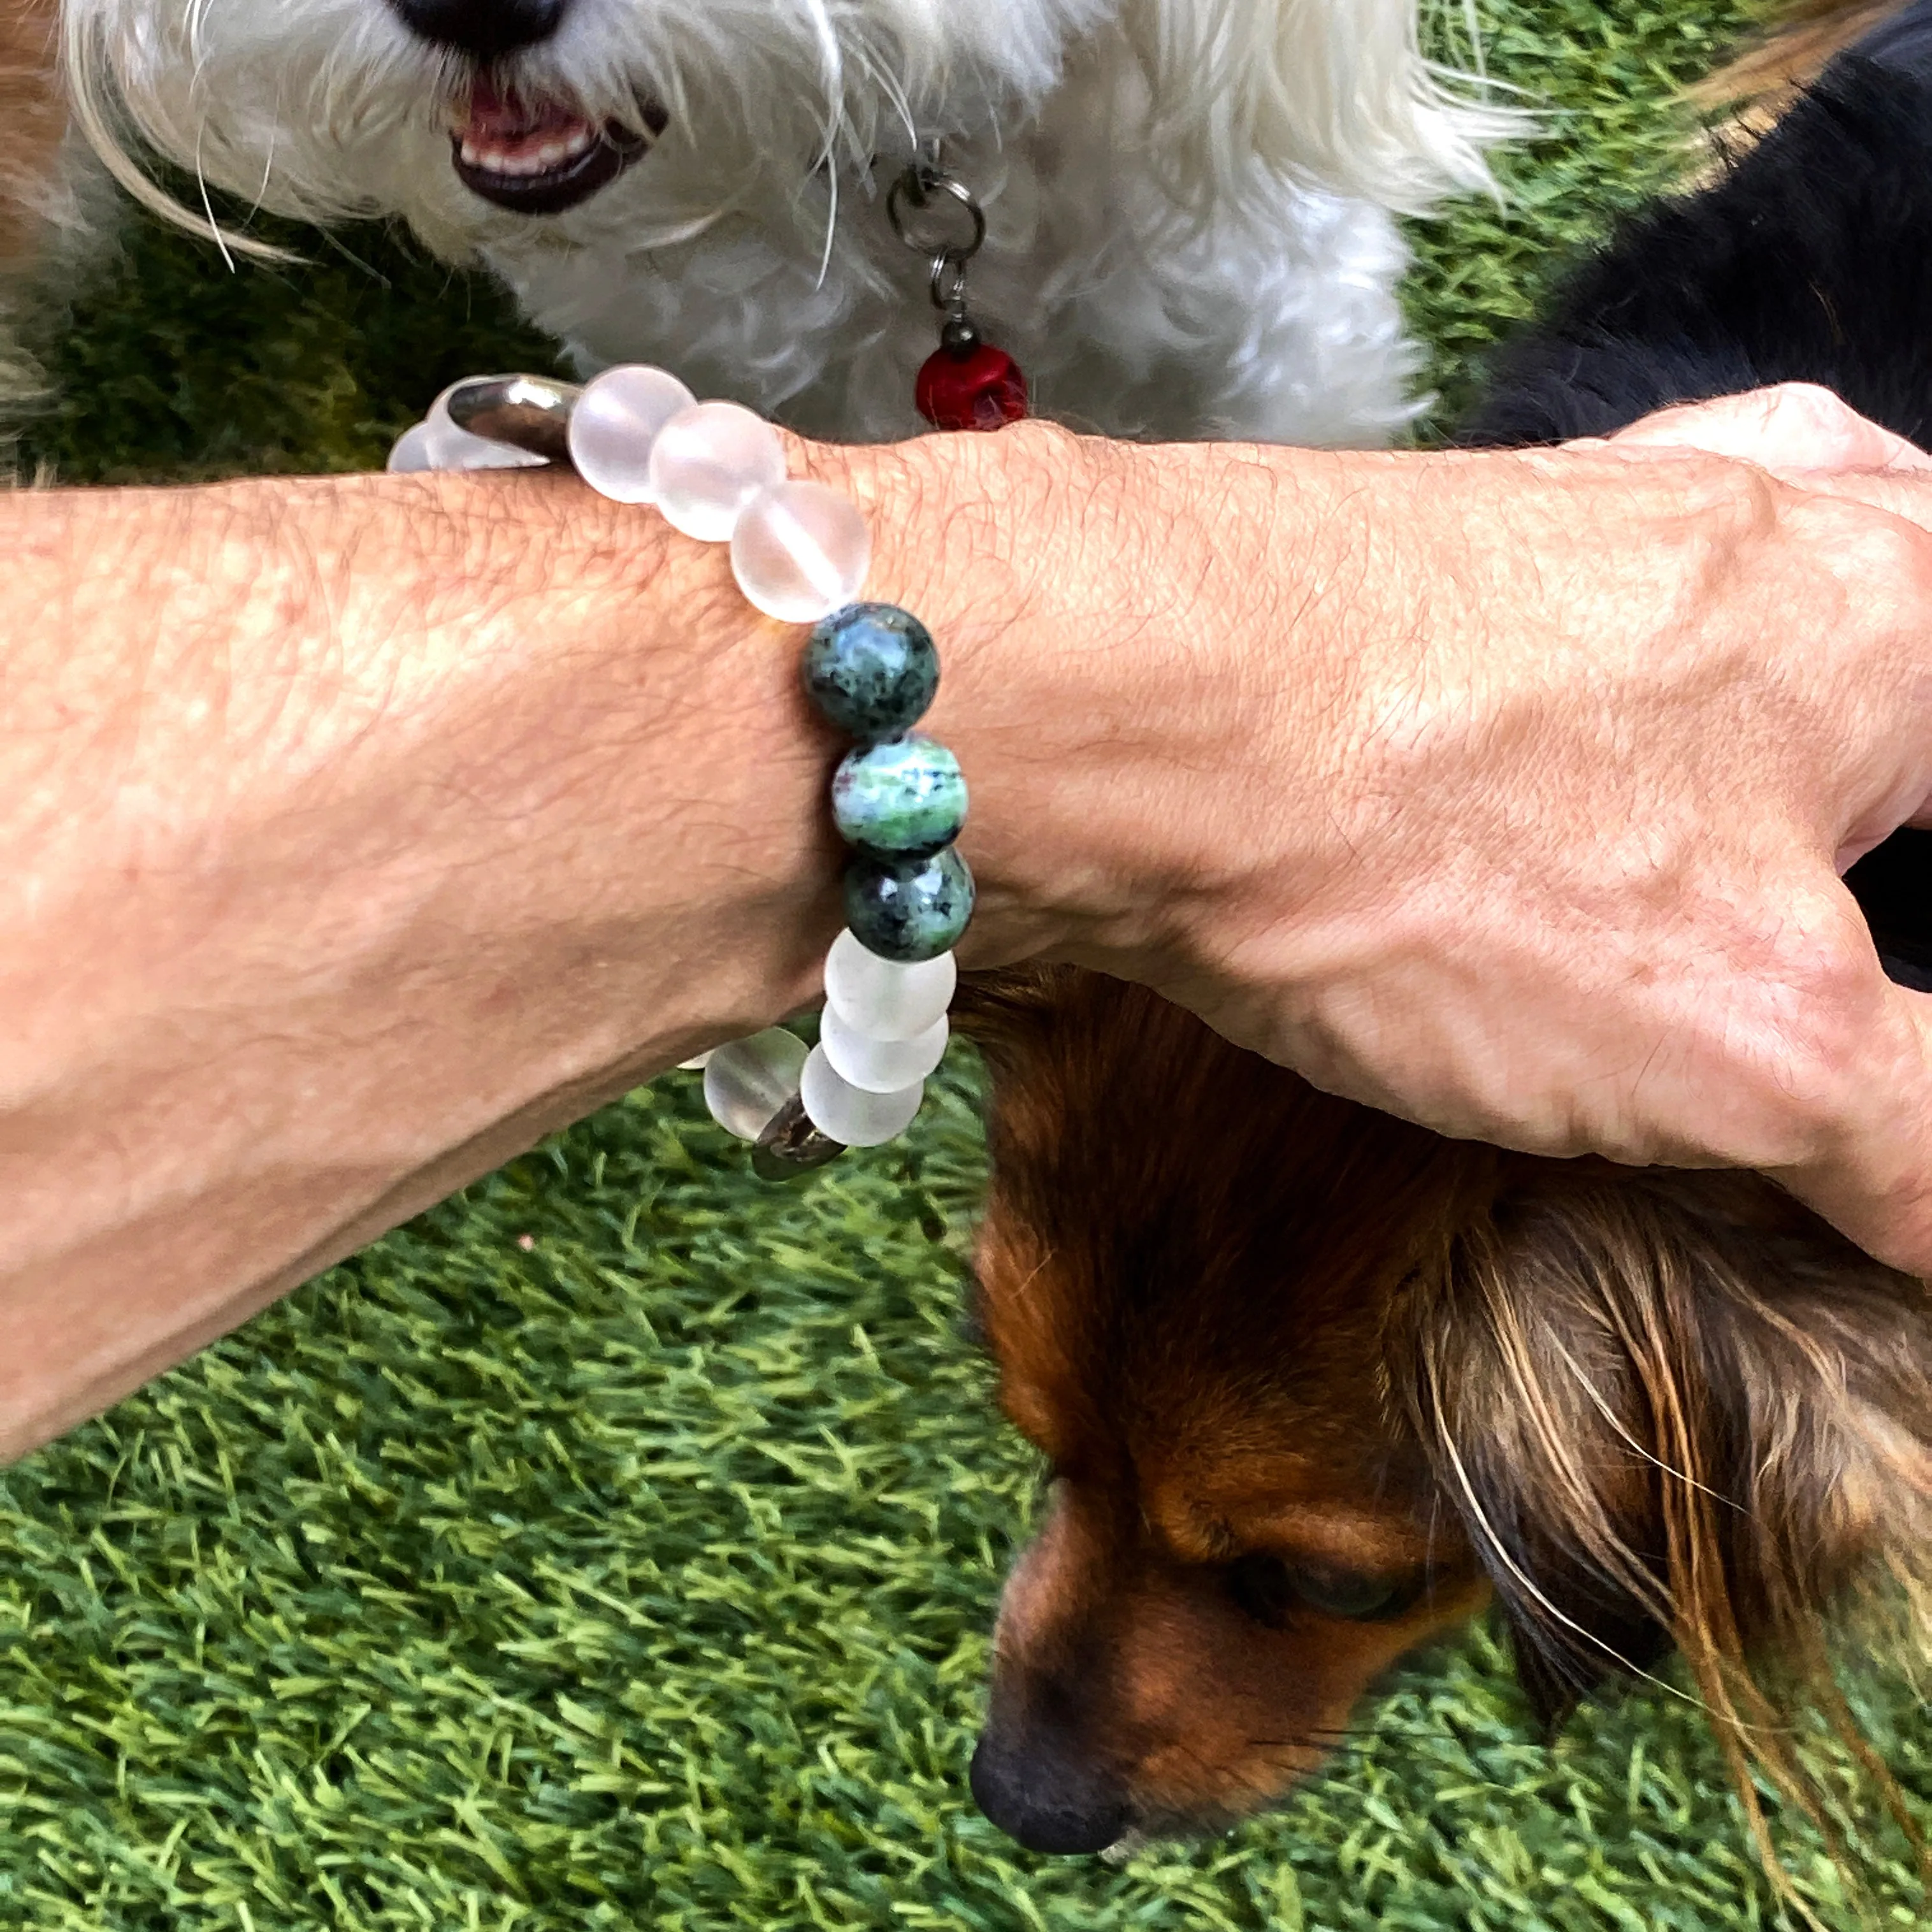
[
  {"x": 487, "y": 30},
  {"x": 1038, "y": 1777}
]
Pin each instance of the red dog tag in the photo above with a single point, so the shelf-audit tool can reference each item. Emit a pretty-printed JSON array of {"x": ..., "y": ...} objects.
[{"x": 981, "y": 388}]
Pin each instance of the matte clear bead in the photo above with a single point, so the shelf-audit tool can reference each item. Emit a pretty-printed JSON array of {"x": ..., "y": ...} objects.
[
  {"x": 880, "y": 998},
  {"x": 748, "y": 1081},
  {"x": 615, "y": 424},
  {"x": 800, "y": 551},
  {"x": 880, "y": 1066},
  {"x": 708, "y": 463},
  {"x": 449, "y": 448},
  {"x": 410, "y": 452},
  {"x": 843, "y": 1112}
]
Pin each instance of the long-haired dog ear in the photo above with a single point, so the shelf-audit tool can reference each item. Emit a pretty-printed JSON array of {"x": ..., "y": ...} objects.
[
  {"x": 1675, "y": 1409},
  {"x": 1333, "y": 92}
]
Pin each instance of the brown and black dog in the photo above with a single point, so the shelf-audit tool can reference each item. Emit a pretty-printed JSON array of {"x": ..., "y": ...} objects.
[{"x": 1314, "y": 1385}]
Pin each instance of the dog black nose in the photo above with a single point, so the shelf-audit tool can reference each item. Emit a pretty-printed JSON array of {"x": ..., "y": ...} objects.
[
  {"x": 1039, "y": 1789},
  {"x": 486, "y": 29}
]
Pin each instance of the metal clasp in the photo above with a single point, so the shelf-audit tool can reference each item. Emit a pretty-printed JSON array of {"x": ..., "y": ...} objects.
[{"x": 922, "y": 190}]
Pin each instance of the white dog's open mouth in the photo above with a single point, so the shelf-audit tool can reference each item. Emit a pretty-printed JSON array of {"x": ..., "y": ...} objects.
[{"x": 542, "y": 157}]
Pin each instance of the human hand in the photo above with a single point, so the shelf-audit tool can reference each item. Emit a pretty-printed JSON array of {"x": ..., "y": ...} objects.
[
  {"x": 1796, "y": 429},
  {"x": 1507, "y": 792}
]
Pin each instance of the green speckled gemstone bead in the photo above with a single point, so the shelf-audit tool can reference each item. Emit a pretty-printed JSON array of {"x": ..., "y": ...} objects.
[
  {"x": 902, "y": 800},
  {"x": 908, "y": 910},
  {"x": 871, "y": 669}
]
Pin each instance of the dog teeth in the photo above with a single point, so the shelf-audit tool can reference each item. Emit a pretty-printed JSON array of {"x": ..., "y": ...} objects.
[{"x": 521, "y": 161}]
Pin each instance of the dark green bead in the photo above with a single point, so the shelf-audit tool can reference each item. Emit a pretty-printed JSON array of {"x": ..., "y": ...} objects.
[
  {"x": 871, "y": 669},
  {"x": 902, "y": 800},
  {"x": 909, "y": 910}
]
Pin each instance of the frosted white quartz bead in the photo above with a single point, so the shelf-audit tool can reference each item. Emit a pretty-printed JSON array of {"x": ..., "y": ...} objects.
[
  {"x": 800, "y": 551},
  {"x": 843, "y": 1112},
  {"x": 880, "y": 998},
  {"x": 410, "y": 452},
  {"x": 748, "y": 1081},
  {"x": 708, "y": 463},
  {"x": 880, "y": 1066},
  {"x": 615, "y": 424},
  {"x": 449, "y": 448}
]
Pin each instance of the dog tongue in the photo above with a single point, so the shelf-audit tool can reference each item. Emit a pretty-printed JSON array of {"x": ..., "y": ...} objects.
[{"x": 499, "y": 118}]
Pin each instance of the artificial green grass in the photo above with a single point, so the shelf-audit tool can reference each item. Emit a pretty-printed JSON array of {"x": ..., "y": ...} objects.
[{"x": 616, "y": 1545}]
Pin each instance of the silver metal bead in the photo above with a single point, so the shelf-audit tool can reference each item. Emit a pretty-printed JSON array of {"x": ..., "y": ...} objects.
[
  {"x": 791, "y": 1146},
  {"x": 528, "y": 412}
]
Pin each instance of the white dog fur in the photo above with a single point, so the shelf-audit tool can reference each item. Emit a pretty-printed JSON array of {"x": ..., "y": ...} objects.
[{"x": 1188, "y": 201}]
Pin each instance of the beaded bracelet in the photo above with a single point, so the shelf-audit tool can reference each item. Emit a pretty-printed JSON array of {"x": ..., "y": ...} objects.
[{"x": 799, "y": 551}]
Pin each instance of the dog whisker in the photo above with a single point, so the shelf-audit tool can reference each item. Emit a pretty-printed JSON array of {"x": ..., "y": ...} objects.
[{"x": 208, "y": 208}]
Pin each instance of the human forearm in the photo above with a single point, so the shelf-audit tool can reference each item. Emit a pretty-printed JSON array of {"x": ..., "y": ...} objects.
[{"x": 359, "y": 832}]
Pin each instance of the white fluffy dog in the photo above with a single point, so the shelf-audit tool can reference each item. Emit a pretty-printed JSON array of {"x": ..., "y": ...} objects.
[{"x": 1188, "y": 201}]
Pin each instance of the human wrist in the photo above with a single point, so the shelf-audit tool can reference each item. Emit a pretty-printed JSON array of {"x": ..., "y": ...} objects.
[
  {"x": 799, "y": 549},
  {"x": 1121, "y": 631},
  {"x": 582, "y": 704},
  {"x": 666, "y": 742}
]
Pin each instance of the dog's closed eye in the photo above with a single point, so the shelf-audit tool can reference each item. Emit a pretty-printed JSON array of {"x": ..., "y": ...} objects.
[{"x": 1270, "y": 1589}]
